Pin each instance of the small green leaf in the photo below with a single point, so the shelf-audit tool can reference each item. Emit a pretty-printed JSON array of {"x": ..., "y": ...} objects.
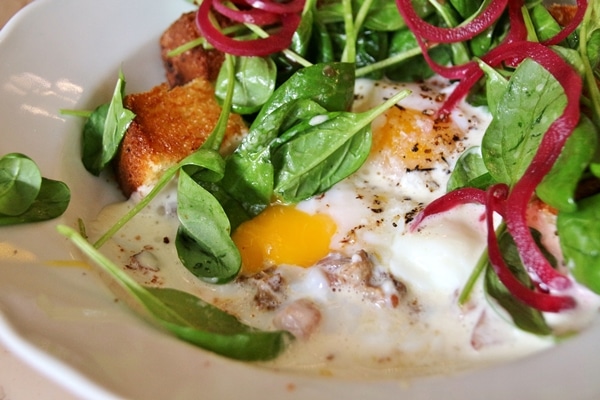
[
  {"x": 104, "y": 130},
  {"x": 20, "y": 181},
  {"x": 249, "y": 174},
  {"x": 525, "y": 317},
  {"x": 208, "y": 327},
  {"x": 495, "y": 86},
  {"x": 545, "y": 25},
  {"x": 580, "y": 241},
  {"x": 254, "y": 83},
  {"x": 322, "y": 156},
  {"x": 189, "y": 317},
  {"x": 324, "y": 150},
  {"x": 51, "y": 202},
  {"x": 469, "y": 171},
  {"x": 203, "y": 241},
  {"x": 559, "y": 186},
  {"x": 532, "y": 101}
]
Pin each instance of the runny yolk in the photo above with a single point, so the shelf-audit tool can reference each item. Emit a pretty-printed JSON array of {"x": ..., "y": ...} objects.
[
  {"x": 283, "y": 235},
  {"x": 413, "y": 140}
]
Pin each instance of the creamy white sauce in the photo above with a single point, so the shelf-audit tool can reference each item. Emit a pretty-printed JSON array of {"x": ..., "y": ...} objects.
[{"x": 426, "y": 332}]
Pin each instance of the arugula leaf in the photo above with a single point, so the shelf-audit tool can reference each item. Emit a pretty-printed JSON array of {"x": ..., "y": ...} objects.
[
  {"x": 189, "y": 317},
  {"x": 580, "y": 240},
  {"x": 532, "y": 101},
  {"x": 104, "y": 130}
]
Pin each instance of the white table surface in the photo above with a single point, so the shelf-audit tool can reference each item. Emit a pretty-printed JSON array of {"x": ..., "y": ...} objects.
[{"x": 18, "y": 381}]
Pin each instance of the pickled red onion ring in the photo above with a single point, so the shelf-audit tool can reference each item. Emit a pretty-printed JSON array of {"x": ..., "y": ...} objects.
[
  {"x": 252, "y": 16},
  {"x": 254, "y": 47},
  {"x": 450, "y": 35},
  {"x": 293, "y": 6},
  {"x": 495, "y": 201}
]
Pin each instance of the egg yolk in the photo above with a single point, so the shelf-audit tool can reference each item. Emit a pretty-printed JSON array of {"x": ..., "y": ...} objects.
[
  {"x": 414, "y": 138},
  {"x": 283, "y": 235}
]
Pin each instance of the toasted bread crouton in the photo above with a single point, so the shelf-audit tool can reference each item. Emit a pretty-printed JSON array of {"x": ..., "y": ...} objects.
[
  {"x": 194, "y": 63},
  {"x": 562, "y": 13},
  {"x": 169, "y": 125}
]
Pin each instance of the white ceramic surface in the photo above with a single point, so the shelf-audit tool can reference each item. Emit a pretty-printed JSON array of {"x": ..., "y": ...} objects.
[{"x": 59, "y": 318}]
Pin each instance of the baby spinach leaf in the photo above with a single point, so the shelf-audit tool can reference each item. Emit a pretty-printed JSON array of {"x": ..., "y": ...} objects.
[
  {"x": 414, "y": 69},
  {"x": 322, "y": 156},
  {"x": 545, "y": 25},
  {"x": 495, "y": 86},
  {"x": 466, "y": 8},
  {"x": 249, "y": 175},
  {"x": 558, "y": 187},
  {"x": 327, "y": 149},
  {"x": 331, "y": 85},
  {"x": 189, "y": 317},
  {"x": 321, "y": 43},
  {"x": 254, "y": 83},
  {"x": 249, "y": 179},
  {"x": 25, "y": 196},
  {"x": 470, "y": 171},
  {"x": 212, "y": 329},
  {"x": 20, "y": 181},
  {"x": 527, "y": 318},
  {"x": 580, "y": 241},
  {"x": 104, "y": 130},
  {"x": 482, "y": 43},
  {"x": 532, "y": 101},
  {"x": 51, "y": 202},
  {"x": 595, "y": 169},
  {"x": 301, "y": 39},
  {"x": 203, "y": 241}
]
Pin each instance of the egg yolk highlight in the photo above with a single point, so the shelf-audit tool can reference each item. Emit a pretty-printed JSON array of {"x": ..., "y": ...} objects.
[
  {"x": 283, "y": 235},
  {"x": 415, "y": 139}
]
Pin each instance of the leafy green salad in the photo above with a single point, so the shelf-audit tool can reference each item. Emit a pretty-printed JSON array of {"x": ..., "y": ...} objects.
[{"x": 290, "y": 69}]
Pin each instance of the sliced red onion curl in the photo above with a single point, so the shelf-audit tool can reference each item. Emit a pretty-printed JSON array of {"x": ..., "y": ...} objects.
[
  {"x": 262, "y": 13},
  {"x": 513, "y": 204}
]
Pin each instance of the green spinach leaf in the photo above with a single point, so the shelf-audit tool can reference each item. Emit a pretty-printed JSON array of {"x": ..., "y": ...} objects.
[
  {"x": 254, "y": 83},
  {"x": 203, "y": 240},
  {"x": 580, "y": 241},
  {"x": 51, "y": 202},
  {"x": 532, "y": 101},
  {"x": 104, "y": 130},
  {"x": 559, "y": 186},
  {"x": 326, "y": 149},
  {"x": 470, "y": 171},
  {"x": 26, "y": 196},
  {"x": 20, "y": 181},
  {"x": 525, "y": 317},
  {"x": 189, "y": 317}
]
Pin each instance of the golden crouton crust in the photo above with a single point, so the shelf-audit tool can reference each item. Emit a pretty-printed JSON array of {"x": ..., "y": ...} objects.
[
  {"x": 562, "y": 13},
  {"x": 169, "y": 125},
  {"x": 193, "y": 63}
]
